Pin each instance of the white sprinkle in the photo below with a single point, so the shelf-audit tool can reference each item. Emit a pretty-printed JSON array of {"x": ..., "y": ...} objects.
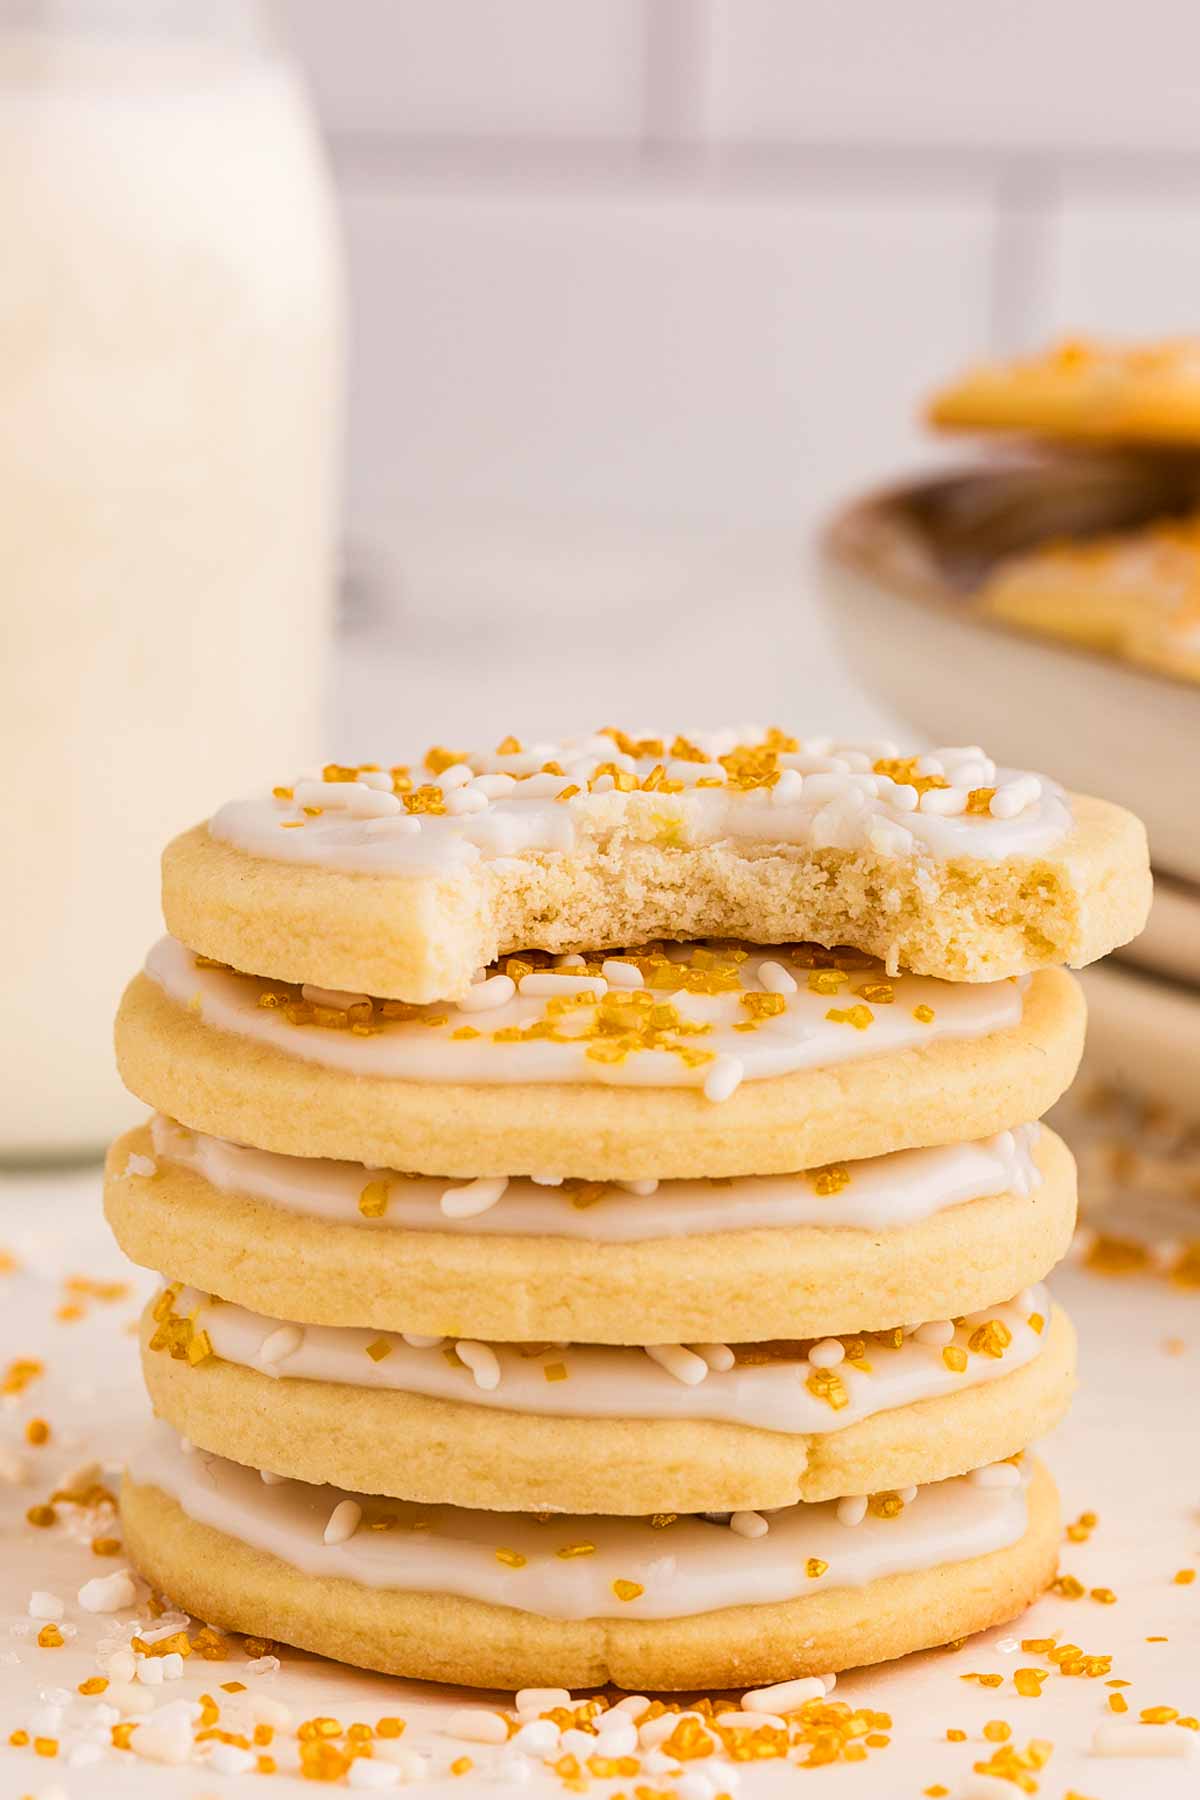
[
  {"x": 332, "y": 796},
  {"x": 541, "y": 1699},
  {"x": 365, "y": 1773},
  {"x": 337, "y": 999},
  {"x": 229, "y": 1759},
  {"x": 937, "y": 1333},
  {"x": 632, "y": 1703},
  {"x": 749, "y": 1524},
  {"x": 683, "y": 1364},
  {"x": 1113, "y": 1739},
  {"x": 788, "y": 788},
  {"x": 45, "y": 1606},
  {"x": 172, "y": 1665},
  {"x": 996, "y": 1475},
  {"x": 269, "y": 1478},
  {"x": 371, "y": 803},
  {"x": 573, "y": 960},
  {"x": 577, "y": 1743},
  {"x": 477, "y": 1726},
  {"x": 654, "y": 1731},
  {"x": 620, "y": 974},
  {"x": 343, "y": 1522},
  {"x": 750, "y": 1721},
  {"x": 265, "y": 1711},
  {"x": 497, "y": 990},
  {"x": 537, "y": 1737},
  {"x": 416, "y": 1341},
  {"x": 475, "y": 1198},
  {"x": 1026, "y": 1301},
  {"x": 149, "y": 1671},
  {"x": 619, "y": 1737},
  {"x": 549, "y": 982},
  {"x": 785, "y": 1696},
  {"x": 456, "y": 776},
  {"x": 643, "y": 1189},
  {"x": 546, "y": 1180},
  {"x": 412, "y": 1766},
  {"x": 724, "y": 1078},
  {"x": 167, "y": 1737},
  {"x": 907, "y": 1495},
  {"x": 122, "y": 1664},
  {"x": 775, "y": 978},
  {"x": 719, "y": 1357},
  {"x": 852, "y": 1510},
  {"x": 109, "y": 1594},
  {"x": 827, "y": 1354},
  {"x": 493, "y": 786},
  {"x": 466, "y": 800},
  {"x": 375, "y": 778},
  {"x": 280, "y": 1344},
  {"x": 482, "y": 1361},
  {"x": 141, "y": 1165},
  {"x": 945, "y": 802}
]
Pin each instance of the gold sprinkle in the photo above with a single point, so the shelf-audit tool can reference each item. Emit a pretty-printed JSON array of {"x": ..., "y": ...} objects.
[
  {"x": 955, "y": 1358},
  {"x": 569, "y": 1551},
  {"x": 814, "y": 1567},
  {"x": 627, "y": 1590},
  {"x": 379, "y": 1349},
  {"x": 372, "y": 1202},
  {"x": 859, "y": 1016},
  {"x": 512, "y": 1559},
  {"x": 555, "y": 1371},
  {"x": 924, "y": 1015}
]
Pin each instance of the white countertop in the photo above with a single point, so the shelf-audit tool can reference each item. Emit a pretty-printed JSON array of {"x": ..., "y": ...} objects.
[{"x": 1129, "y": 1452}]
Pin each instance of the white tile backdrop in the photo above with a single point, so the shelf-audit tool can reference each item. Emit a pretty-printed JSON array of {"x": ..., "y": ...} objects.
[{"x": 640, "y": 287}]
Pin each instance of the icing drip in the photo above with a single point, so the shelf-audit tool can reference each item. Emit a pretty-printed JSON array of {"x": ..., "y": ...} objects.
[
  {"x": 767, "y": 1385},
  {"x": 673, "y": 1570},
  {"x": 878, "y": 1193},
  {"x": 748, "y": 785},
  {"x": 707, "y": 1010}
]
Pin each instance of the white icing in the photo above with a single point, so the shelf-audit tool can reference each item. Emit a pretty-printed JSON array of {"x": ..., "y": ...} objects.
[
  {"x": 883, "y": 1193},
  {"x": 692, "y": 1566},
  {"x": 827, "y": 796},
  {"x": 800, "y": 1036},
  {"x": 603, "y": 1382}
]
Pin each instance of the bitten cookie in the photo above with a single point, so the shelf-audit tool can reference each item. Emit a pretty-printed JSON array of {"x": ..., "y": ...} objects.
[{"x": 403, "y": 882}]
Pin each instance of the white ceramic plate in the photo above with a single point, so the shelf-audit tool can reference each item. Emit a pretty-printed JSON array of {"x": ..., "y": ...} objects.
[
  {"x": 898, "y": 570},
  {"x": 1170, "y": 944},
  {"x": 1143, "y": 1036}
]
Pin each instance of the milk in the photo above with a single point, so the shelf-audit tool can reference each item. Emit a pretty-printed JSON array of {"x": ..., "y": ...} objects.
[{"x": 169, "y": 412}]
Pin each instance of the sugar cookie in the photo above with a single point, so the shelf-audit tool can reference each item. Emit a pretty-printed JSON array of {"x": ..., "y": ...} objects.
[
  {"x": 940, "y": 863},
  {"x": 807, "y": 1280},
  {"x": 488, "y": 1601},
  {"x": 268, "y": 1093}
]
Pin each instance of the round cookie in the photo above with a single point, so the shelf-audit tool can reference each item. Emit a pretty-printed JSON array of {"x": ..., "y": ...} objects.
[
  {"x": 416, "y": 1447},
  {"x": 444, "y": 1637},
  {"x": 421, "y": 937},
  {"x": 778, "y": 1282},
  {"x": 1084, "y": 390},
  {"x": 252, "y": 1092}
]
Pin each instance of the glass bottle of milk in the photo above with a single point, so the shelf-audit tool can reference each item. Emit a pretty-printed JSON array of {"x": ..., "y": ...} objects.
[{"x": 170, "y": 373}]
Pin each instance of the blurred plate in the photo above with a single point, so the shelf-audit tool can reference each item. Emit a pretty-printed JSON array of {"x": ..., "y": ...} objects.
[
  {"x": 1170, "y": 944},
  {"x": 1143, "y": 1036},
  {"x": 898, "y": 572}
]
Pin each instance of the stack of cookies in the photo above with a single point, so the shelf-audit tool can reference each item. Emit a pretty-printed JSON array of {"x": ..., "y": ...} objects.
[{"x": 601, "y": 1207}]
